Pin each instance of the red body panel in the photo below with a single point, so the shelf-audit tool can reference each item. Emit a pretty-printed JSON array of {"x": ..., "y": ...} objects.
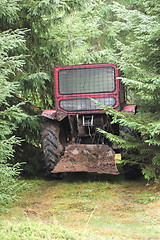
[
  {"x": 115, "y": 93},
  {"x": 129, "y": 108}
]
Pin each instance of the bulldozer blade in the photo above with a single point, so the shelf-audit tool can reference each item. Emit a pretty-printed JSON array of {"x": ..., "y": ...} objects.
[{"x": 87, "y": 158}]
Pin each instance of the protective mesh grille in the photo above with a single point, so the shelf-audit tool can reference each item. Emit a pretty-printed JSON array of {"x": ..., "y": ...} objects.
[
  {"x": 86, "y": 80},
  {"x": 84, "y": 104}
]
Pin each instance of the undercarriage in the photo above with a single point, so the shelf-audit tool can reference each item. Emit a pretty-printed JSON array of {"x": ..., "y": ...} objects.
[{"x": 75, "y": 145}]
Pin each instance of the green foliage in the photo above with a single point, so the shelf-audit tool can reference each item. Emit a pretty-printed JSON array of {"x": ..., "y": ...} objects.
[
  {"x": 37, "y": 83},
  {"x": 143, "y": 145},
  {"x": 46, "y": 45},
  {"x": 10, "y": 113},
  {"x": 75, "y": 32},
  {"x": 9, "y": 186},
  {"x": 8, "y": 12},
  {"x": 131, "y": 33}
]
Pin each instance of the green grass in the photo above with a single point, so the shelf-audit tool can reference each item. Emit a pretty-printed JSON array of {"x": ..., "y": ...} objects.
[
  {"x": 30, "y": 230},
  {"x": 73, "y": 209}
]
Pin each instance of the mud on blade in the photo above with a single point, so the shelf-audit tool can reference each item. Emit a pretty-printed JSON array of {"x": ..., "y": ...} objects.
[{"x": 87, "y": 158}]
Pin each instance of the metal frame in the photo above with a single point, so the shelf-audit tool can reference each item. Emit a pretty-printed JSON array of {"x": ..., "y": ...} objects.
[{"x": 115, "y": 93}]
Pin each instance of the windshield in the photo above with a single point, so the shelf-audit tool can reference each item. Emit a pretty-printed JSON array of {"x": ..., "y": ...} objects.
[{"x": 87, "y": 80}]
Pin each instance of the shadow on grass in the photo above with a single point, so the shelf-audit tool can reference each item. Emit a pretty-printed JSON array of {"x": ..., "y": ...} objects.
[{"x": 91, "y": 177}]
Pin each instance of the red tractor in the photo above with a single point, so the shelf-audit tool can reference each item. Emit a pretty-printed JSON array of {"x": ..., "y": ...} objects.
[{"x": 70, "y": 140}]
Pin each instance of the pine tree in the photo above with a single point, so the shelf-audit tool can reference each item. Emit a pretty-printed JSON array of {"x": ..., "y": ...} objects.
[
  {"x": 135, "y": 48},
  {"x": 10, "y": 113}
]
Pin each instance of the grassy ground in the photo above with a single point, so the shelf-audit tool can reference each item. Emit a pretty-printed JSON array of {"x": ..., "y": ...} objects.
[{"x": 110, "y": 208}]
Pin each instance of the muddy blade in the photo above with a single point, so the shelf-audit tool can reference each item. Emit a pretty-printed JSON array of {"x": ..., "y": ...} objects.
[{"x": 87, "y": 158}]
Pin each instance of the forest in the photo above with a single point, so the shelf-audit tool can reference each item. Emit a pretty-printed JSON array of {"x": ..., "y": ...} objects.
[{"x": 36, "y": 35}]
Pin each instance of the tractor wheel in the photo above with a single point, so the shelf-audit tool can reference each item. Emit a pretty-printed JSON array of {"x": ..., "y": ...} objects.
[{"x": 51, "y": 146}]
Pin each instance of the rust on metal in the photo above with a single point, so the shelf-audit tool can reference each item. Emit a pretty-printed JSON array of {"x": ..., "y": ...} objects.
[
  {"x": 87, "y": 158},
  {"x": 60, "y": 115},
  {"x": 54, "y": 114}
]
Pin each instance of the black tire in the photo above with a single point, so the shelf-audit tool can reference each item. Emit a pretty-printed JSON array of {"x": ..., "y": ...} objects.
[{"x": 51, "y": 146}]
